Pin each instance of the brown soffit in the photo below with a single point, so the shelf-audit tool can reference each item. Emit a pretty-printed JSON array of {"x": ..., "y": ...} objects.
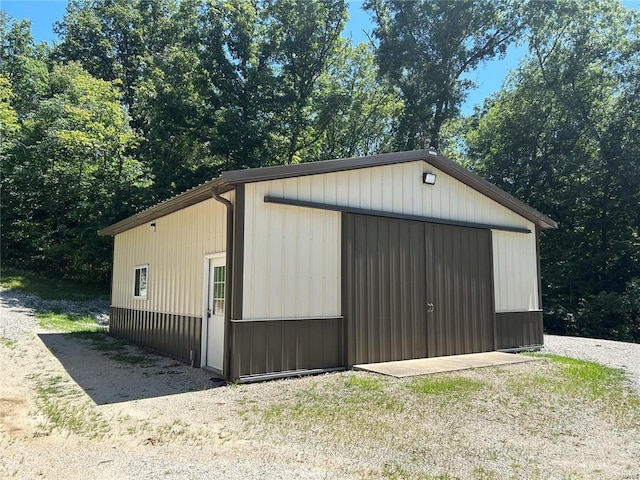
[{"x": 228, "y": 180}]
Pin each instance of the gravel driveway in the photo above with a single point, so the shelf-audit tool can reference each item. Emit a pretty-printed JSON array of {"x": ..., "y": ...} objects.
[{"x": 166, "y": 420}]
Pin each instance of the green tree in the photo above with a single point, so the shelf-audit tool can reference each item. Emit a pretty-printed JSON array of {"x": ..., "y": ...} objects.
[
  {"x": 563, "y": 136},
  {"x": 111, "y": 38},
  {"x": 23, "y": 63},
  {"x": 9, "y": 126},
  {"x": 426, "y": 47},
  {"x": 364, "y": 115},
  {"x": 214, "y": 85},
  {"x": 70, "y": 175},
  {"x": 303, "y": 39}
]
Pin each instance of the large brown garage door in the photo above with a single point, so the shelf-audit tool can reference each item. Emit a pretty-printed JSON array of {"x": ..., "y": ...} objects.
[{"x": 413, "y": 290}]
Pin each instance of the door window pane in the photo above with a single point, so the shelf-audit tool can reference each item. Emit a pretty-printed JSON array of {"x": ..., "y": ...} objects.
[{"x": 218, "y": 290}]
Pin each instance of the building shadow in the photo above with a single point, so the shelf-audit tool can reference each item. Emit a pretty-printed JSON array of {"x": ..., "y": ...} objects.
[{"x": 111, "y": 371}]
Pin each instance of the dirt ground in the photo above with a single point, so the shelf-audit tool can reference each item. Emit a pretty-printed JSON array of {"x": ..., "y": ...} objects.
[{"x": 71, "y": 409}]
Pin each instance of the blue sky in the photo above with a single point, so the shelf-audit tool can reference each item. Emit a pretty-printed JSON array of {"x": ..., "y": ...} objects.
[{"x": 488, "y": 77}]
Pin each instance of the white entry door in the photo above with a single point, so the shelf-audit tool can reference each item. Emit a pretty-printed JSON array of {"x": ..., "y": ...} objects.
[{"x": 215, "y": 313}]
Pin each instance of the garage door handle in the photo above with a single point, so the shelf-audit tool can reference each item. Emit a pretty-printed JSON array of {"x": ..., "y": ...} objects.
[{"x": 430, "y": 307}]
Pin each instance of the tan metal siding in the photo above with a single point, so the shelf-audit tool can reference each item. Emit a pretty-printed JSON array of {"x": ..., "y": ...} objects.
[
  {"x": 175, "y": 255},
  {"x": 395, "y": 188},
  {"x": 292, "y": 257},
  {"x": 515, "y": 271},
  {"x": 399, "y": 188},
  {"x": 292, "y": 254}
]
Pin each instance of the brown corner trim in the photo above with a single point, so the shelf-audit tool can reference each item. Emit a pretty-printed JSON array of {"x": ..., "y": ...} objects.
[
  {"x": 238, "y": 253},
  {"x": 493, "y": 294},
  {"x": 378, "y": 213},
  {"x": 344, "y": 299},
  {"x": 538, "y": 266}
]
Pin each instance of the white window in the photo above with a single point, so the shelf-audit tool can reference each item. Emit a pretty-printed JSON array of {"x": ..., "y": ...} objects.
[{"x": 140, "y": 285}]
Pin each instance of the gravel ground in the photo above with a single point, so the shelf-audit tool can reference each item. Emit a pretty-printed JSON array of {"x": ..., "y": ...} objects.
[
  {"x": 162, "y": 419},
  {"x": 17, "y": 318}
]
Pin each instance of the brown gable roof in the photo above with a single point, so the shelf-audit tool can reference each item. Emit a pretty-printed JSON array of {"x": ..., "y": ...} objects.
[{"x": 228, "y": 180}]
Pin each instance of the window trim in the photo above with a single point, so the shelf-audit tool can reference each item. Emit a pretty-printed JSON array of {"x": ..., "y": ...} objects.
[{"x": 144, "y": 266}]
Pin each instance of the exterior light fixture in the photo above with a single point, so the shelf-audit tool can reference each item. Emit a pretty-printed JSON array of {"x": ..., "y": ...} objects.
[
  {"x": 153, "y": 226},
  {"x": 429, "y": 178}
]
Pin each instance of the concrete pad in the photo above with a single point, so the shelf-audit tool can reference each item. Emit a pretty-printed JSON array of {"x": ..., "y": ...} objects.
[{"x": 425, "y": 366}]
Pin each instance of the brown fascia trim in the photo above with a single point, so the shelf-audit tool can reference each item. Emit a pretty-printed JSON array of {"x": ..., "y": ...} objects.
[
  {"x": 490, "y": 190},
  {"x": 186, "y": 199},
  {"x": 278, "y": 172},
  {"x": 431, "y": 157},
  {"x": 228, "y": 180}
]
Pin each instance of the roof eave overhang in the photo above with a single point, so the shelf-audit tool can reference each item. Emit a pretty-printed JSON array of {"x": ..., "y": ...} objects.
[
  {"x": 488, "y": 189},
  {"x": 183, "y": 200},
  {"x": 228, "y": 180},
  {"x": 430, "y": 156}
]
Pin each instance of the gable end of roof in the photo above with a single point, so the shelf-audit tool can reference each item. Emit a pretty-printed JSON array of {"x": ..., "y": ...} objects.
[{"x": 230, "y": 179}]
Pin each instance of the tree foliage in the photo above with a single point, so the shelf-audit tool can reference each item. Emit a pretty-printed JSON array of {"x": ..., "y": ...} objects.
[
  {"x": 66, "y": 165},
  {"x": 564, "y": 137},
  {"x": 426, "y": 47},
  {"x": 142, "y": 99}
]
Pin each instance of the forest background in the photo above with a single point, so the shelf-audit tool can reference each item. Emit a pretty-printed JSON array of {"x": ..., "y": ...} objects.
[{"x": 143, "y": 99}]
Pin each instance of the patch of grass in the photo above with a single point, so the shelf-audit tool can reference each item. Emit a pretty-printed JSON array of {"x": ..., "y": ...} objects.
[
  {"x": 102, "y": 341},
  {"x": 591, "y": 381},
  {"x": 64, "y": 411},
  {"x": 350, "y": 408},
  {"x": 449, "y": 386},
  {"x": 105, "y": 343},
  {"x": 52, "y": 386},
  {"x": 129, "y": 358},
  {"x": 522, "y": 386},
  {"x": 594, "y": 378},
  {"x": 481, "y": 473},
  {"x": 368, "y": 384},
  {"x": 8, "y": 342},
  {"x": 115, "y": 348},
  {"x": 397, "y": 472},
  {"x": 418, "y": 427},
  {"x": 67, "y": 322},
  {"x": 49, "y": 288}
]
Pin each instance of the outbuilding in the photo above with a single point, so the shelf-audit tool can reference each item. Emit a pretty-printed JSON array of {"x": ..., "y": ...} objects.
[{"x": 320, "y": 266}]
